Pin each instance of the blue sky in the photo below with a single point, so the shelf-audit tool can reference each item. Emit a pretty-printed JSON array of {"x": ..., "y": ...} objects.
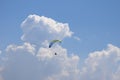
[{"x": 95, "y": 22}]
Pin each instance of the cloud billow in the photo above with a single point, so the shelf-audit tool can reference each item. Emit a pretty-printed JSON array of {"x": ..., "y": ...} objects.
[
  {"x": 37, "y": 29},
  {"x": 28, "y": 62},
  {"x": 102, "y": 65}
]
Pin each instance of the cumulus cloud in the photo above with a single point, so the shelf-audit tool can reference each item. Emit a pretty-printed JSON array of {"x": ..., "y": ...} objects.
[
  {"x": 22, "y": 64},
  {"x": 31, "y": 62},
  {"x": 44, "y": 65},
  {"x": 102, "y": 65},
  {"x": 37, "y": 29}
]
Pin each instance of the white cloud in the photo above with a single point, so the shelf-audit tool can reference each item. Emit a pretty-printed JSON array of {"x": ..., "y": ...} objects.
[
  {"x": 37, "y": 29},
  {"x": 28, "y": 62},
  {"x": 26, "y": 47},
  {"x": 102, "y": 65},
  {"x": 21, "y": 64}
]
